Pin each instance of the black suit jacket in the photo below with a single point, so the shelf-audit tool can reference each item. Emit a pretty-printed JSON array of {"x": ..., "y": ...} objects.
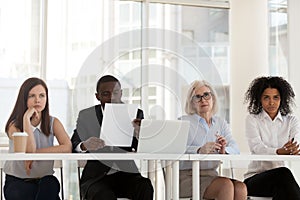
[{"x": 88, "y": 125}]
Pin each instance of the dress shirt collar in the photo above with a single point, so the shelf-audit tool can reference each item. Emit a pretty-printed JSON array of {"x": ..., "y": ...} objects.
[
  {"x": 38, "y": 127},
  {"x": 202, "y": 120},
  {"x": 265, "y": 115}
]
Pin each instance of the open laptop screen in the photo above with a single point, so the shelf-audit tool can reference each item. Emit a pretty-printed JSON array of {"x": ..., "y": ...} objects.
[{"x": 163, "y": 136}]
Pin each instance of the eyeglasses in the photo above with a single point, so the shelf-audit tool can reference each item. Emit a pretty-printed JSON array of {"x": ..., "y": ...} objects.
[
  {"x": 109, "y": 94},
  {"x": 206, "y": 96}
]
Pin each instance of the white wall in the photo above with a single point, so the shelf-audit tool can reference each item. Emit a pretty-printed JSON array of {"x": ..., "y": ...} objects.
[
  {"x": 294, "y": 61},
  {"x": 249, "y": 57}
]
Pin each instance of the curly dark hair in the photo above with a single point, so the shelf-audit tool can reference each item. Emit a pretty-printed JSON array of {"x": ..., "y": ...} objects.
[{"x": 257, "y": 87}]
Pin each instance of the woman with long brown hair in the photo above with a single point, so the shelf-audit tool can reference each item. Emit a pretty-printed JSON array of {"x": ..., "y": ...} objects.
[{"x": 34, "y": 179}]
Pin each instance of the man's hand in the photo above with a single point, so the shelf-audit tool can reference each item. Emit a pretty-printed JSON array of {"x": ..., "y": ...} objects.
[
  {"x": 92, "y": 144},
  {"x": 136, "y": 125}
]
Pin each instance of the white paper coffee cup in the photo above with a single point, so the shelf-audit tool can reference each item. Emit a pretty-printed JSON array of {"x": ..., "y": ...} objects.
[{"x": 20, "y": 142}]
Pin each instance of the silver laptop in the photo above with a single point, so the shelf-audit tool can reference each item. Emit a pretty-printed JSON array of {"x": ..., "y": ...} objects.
[{"x": 163, "y": 136}]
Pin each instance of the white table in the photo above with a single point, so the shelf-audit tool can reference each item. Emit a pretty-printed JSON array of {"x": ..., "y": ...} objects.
[
  {"x": 172, "y": 169},
  {"x": 91, "y": 156},
  {"x": 172, "y": 178}
]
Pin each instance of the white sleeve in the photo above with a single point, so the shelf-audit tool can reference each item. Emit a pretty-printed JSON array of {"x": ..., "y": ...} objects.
[{"x": 78, "y": 149}]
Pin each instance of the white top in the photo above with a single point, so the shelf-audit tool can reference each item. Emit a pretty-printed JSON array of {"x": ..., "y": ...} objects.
[
  {"x": 200, "y": 133},
  {"x": 265, "y": 136}
]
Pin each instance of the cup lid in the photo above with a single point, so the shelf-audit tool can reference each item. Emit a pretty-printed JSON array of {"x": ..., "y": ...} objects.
[{"x": 19, "y": 134}]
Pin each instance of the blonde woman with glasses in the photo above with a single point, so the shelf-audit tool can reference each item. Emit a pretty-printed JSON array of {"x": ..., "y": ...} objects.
[{"x": 208, "y": 134}]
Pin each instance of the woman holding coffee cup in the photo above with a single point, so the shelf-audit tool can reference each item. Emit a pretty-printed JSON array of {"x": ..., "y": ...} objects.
[{"x": 30, "y": 116}]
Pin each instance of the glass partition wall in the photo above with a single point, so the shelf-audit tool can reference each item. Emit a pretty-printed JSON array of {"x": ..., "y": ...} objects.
[
  {"x": 146, "y": 45},
  {"x": 278, "y": 45}
]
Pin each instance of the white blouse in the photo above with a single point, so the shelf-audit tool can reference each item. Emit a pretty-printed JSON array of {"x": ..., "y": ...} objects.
[{"x": 265, "y": 136}]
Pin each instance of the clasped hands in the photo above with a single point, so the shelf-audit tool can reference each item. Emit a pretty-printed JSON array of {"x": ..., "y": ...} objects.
[
  {"x": 214, "y": 147},
  {"x": 289, "y": 148}
]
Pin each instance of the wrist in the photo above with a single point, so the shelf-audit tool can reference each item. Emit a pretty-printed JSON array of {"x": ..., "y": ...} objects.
[
  {"x": 82, "y": 147},
  {"x": 198, "y": 151}
]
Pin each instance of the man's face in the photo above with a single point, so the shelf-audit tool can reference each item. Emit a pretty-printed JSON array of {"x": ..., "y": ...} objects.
[{"x": 109, "y": 92}]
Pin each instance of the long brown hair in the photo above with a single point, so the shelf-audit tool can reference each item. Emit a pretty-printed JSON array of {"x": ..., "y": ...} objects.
[{"x": 20, "y": 107}]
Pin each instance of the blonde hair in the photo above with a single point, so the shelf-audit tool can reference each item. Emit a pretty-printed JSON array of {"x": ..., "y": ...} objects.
[{"x": 189, "y": 107}]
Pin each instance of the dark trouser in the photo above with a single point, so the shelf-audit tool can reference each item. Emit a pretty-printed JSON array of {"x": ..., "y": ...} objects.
[
  {"x": 46, "y": 188},
  {"x": 121, "y": 184},
  {"x": 278, "y": 183}
]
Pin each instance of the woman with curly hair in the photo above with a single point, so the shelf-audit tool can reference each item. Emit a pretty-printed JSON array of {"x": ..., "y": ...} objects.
[{"x": 271, "y": 129}]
